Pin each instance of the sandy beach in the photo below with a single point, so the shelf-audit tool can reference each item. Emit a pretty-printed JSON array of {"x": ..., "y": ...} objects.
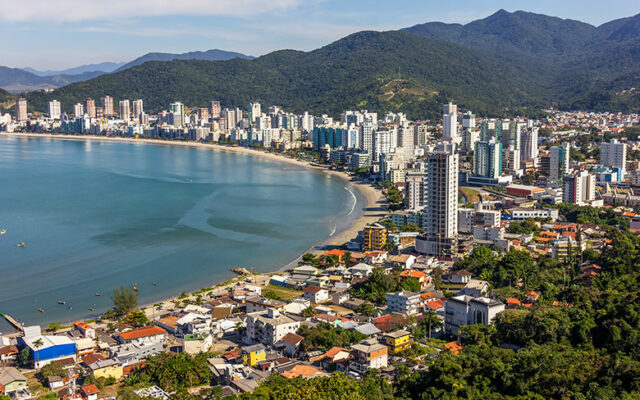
[{"x": 369, "y": 210}]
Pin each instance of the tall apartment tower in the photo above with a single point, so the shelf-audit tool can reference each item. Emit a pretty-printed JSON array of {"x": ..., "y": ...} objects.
[
  {"x": 487, "y": 159},
  {"x": 107, "y": 106},
  {"x": 450, "y": 122},
  {"x": 440, "y": 219},
  {"x": 367, "y": 132},
  {"x": 614, "y": 154},
  {"x": 215, "y": 110},
  {"x": 255, "y": 111},
  {"x": 559, "y": 162},
  {"x": 414, "y": 191},
  {"x": 125, "y": 110},
  {"x": 138, "y": 108},
  {"x": 529, "y": 144},
  {"x": 90, "y": 107},
  {"x": 579, "y": 188},
  {"x": 78, "y": 110},
  {"x": 177, "y": 109},
  {"x": 54, "y": 109},
  {"x": 21, "y": 109}
]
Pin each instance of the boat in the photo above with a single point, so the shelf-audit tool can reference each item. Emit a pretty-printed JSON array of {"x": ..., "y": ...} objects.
[
  {"x": 135, "y": 288},
  {"x": 92, "y": 309},
  {"x": 21, "y": 244},
  {"x": 155, "y": 283},
  {"x": 3, "y": 231},
  {"x": 62, "y": 302},
  {"x": 41, "y": 310},
  {"x": 70, "y": 308},
  {"x": 98, "y": 294}
]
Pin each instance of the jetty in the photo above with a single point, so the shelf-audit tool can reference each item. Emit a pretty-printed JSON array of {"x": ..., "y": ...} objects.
[{"x": 12, "y": 321}]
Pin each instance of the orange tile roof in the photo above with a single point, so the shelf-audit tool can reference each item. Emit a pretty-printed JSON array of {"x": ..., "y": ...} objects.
[
  {"x": 410, "y": 273},
  {"x": 143, "y": 332},
  {"x": 427, "y": 296},
  {"x": 90, "y": 389},
  {"x": 335, "y": 252},
  {"x": 127, "y": 370},
  {"x": 304, "y": 371},
  {"x": 334, "y": 351},
  {"x": 435, "y": 304},
  {"x": 513, "y": 300},
  {"x": 532, "y": 293}
]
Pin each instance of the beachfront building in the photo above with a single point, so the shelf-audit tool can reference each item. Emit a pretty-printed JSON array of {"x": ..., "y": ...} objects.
[{"x": 375, "y": 237}]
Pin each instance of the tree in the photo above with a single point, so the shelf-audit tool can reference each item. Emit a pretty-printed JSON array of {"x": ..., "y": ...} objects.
[
  {"x": 124, "y": 300},
  {"x": 366, "y": 309},
  {"x": 431, "y": 320},
  {"x": 37, "y": 344},
  {"x": 309, "y": 312},
  {"x": 25, "y": 356},
  {"x": 310, "y": 259},
  {"x": 53, "y": 369}
]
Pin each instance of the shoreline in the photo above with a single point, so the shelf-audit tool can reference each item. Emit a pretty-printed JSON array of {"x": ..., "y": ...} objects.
[{"x": 371, "y": 199}]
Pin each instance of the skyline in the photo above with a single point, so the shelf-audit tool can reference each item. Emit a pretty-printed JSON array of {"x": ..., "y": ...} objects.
[{"x": 85, "y": 32}]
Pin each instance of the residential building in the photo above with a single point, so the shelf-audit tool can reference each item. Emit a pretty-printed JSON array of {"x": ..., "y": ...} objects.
[
  {"x": 404, "y": 302},
  {"x": 90, "y": 107},
  {"x": 375, "y": 237},
  {"x": 559, "y": 161},
  {"x": 48, "y": 348},
  {"x": 368, "y": 355},
  {"x": 450, "y": 123},
  {"x": 214, "y": 109},
  {"x": 138, "y": 109},
  {"x": 579, "y": 188},
  {"x": 21, "y": 109},
  {"x": 258, "y": 303},
  {"x": 466, "y": 310},
  {"x": 251, "y": 355},
  {"x": 107, "y": 106},
  {"x": 487, "y": 159},
  {"x": 13, "y": 383},
  {"x": 315, "y": 294},
  {"x": 78, "y": 110},
  {"x": 54, "y": 109},
  {"x": 440, "y": 219},
  {"x": 614, "y": 154},
  {"x": 529, "y": 144},
  {"x": 414, "y": 191},
  {"x": 269, "y": 327},
  {"x": 143, "y": 336},
  {"x": 125, "y": 110},
  {"x": 106, "y": 369},
  {"x": 397, "y": 341},
  {"x": 177, "y": 109}
]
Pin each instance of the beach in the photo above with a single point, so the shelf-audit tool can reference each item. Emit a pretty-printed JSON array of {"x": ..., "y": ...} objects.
[{"x": 369, "y": 207}]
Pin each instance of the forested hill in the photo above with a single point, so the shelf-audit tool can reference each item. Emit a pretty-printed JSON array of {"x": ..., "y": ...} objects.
[{"x": 374, "y": 70}]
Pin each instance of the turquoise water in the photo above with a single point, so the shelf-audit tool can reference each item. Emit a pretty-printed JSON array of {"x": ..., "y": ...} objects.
[{"x": 95, "y": 215}]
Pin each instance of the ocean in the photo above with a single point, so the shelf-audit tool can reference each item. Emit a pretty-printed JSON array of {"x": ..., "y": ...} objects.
[{"x": 95, "y": 215}]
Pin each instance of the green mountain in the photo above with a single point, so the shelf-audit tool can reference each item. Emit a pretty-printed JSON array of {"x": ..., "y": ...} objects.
[
  {"x": 376, "y": 70},
  {"x": 209, "y": 55},
  {"x": 17, "y": 80}
]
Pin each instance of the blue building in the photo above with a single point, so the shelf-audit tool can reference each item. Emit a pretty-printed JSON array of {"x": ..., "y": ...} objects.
[
  {"x": 331, "y": 136},
  {"x": 48, "y": 348}
]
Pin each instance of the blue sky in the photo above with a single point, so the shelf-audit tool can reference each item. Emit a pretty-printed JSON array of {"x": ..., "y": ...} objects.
[{"x": 56, "y": 34}]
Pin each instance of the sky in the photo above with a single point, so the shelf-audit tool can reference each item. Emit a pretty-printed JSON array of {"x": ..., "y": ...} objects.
[{"x": 58, "y": 34}]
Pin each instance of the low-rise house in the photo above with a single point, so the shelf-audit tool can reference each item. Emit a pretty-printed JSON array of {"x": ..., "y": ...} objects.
[
  {"x": 143, "y": 336},
  {"x": 306, "y": 270},
  {"x": 420, "y": 276},
  {"x": 197, "y": 343},
  {"x": 368, "y": 355},
  {"x": 339, "y": 297},
  {"x": 457, "y": 277},
  {"x": 194, "y": 324},
  {"x": 315, "y": 294},
  {"x": 368, "y": 329},
  {"x": 85, "y": 329},
  {"x": 269, "y": 327},
  {"x": 336, "y": 358},
  {"x": 132, "y": 353},
  {"x": 168, "y": 323},
  {"x": 353, "y": 304},
  {"x": 106, "y": 369},
  {"x": 251, "y": 355},
  {"x": 290, "y": 343},
  {"x": 321, "y": 281},
  {"x": 258, "y": 304},
  {"x": 397, "y": 341},
  {"x": 305, "y": 371},
  {"x": 404, "y": 302},
  {"x": 375, "y": 257},
  {"x": 12, "y": 382},
  {"x": 9, "y": 354},
  {"x": 55, "y": 382},
  {"x": 90, "y": 392},
  {"x": 404, "y": 261},
  {"x": 466, "y": 310},
  {"x": 360, "y": 270},
  {"x": 476, "y": 288}
]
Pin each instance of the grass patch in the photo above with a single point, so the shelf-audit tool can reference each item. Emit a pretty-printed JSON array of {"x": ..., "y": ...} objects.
[
  {"x": 470, "y": 194},
  {"x": 280, "y": 293}
]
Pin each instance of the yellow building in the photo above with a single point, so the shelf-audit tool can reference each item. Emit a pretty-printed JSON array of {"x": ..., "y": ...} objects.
[
  {"x": 375, "y": 237},
  {"x": 251, "y": 355},
  {"x": 107, "y": 369},
  {"x": 397, "y": 341}
]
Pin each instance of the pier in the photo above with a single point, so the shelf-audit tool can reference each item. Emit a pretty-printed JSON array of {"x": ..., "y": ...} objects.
[{"x": 12, "y": 321}]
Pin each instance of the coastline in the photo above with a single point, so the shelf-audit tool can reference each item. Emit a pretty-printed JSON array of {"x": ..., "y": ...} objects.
[{"x": 368, "y": 209}]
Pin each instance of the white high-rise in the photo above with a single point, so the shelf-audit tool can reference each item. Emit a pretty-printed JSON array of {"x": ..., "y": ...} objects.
[
  {"x": 559, "y": 162},
  {"x": 414, "y": 191},
  {"x": 78, "y": 110},
  {"x": 529, "y": 144},
  {"x": 366, "y": 138},
  {"x": 255, "y": 111},
  {"x": 450, "y": 122},
  {"x": 614, "y": 154},
  {"x": 440, "y": 219},
  {"x": 138, "y": 108},
  {"x": 125, "y": 110},
  {"x": 107, "y": 106},
  {"x": 54, "y": 109},
  {"x": 579, "y": 188}
]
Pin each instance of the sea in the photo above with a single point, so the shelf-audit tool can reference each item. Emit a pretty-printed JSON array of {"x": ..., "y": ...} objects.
[{"x": 96, "y": 215}]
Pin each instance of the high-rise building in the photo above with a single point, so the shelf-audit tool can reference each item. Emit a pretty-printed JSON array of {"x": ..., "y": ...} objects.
[
  {"x": 215, "y": 110},
  {"x": 366, "y": 138},
  {"x": 469, "y": 138},
  {"x": 559, "y": 162},
  {"x": 107, "y": 106},
  {"x": 511, "y": 161},
  {"x": 21, "y": 109},
  {"x": 406, "y": 138},
  {"x": 614, "y": 154},
  {"x": 125, "y": 111},
  {"x": 450, "y": 122},
  {"x": 255, "y": 111},
  {"x": 414, "y": 191},
  {"x": 78, "y": 110},
  {"x": 440, "y": 218},
  {"x": 579, "y": 188},
  {"x": 529, "y": 144},
  {"x": 375, "y": 237},
  {"x": 177, "y": 109},
  {"x": 138, "y": 108},
  {"x": 54, "y": 109},
  {"x": 487, "y": 159},
  {"x": 469, "y": 120},
  {"x": 90, "y": 107}
]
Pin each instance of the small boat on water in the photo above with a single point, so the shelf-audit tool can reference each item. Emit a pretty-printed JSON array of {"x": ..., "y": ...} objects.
[
  {"x": 62, "y": 302},
  {"x": 70, "y": 308},
  {"x": 155, "y": 283},
  {"x": 21, "y": 244},
  {"x": 98, "y": 294},
  {"x": 3, "y": 231},
  {"x": 135, "y": 288},
  {"x": 41, "y": 310}
]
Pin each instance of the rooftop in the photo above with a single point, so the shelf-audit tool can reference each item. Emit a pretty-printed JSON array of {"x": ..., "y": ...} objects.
[{"x": 143, "y": 332}]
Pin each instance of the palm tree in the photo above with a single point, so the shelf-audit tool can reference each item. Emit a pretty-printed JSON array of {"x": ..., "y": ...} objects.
[
  {"x": 37, "y": 344},
  {"x": 432, "y": 320}
]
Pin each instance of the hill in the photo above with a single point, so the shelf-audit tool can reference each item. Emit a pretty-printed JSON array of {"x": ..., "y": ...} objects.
[
  {"x": 102, "y": 67},
  {"x": 209, "y": 55},
  {"x": 16, "y": 80},
  {"x": 375, "y": 70}
]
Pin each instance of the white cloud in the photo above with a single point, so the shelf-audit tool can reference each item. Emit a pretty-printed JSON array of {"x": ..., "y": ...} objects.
[{"x": 81, "y": 10}]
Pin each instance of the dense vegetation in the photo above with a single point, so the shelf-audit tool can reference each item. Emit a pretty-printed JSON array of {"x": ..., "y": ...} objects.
[{"x": 380, "y": 283}]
